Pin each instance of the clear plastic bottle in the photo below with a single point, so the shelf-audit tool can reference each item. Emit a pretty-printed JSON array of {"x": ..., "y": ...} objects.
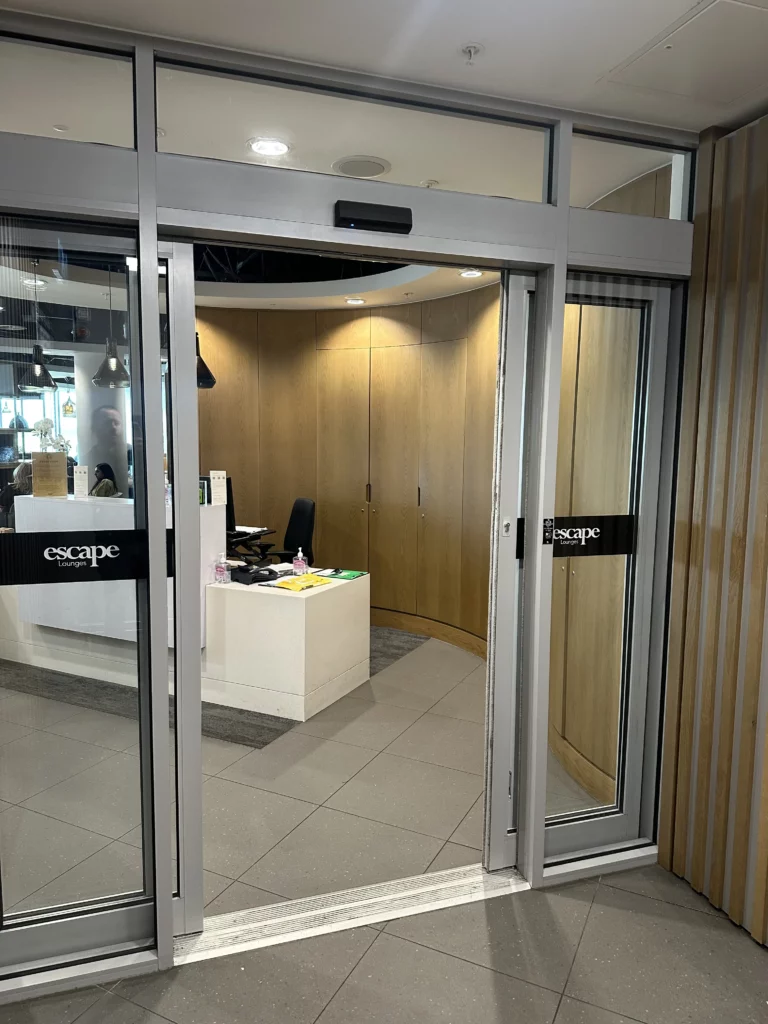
[
  {"x": 223, "y": 573},
  {"x": 299, "y": 564}
]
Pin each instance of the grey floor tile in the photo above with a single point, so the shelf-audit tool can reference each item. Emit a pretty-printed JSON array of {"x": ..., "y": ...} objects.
[
  {"x": 470, "y": 830},
  {"x": 63, "y": 1008},
  {"x": 34, "y": 850},
  {"x": 450, "y": 742},
  {"x": 241, "y": 823},
  {"x": 332, "y": 851},
  {"x": 573, "y": 1012},
  {"x": 359, "y": 722},
  {"x": 467, "y": 700},
  {"x": 220, "y": 754},
  {"x": 287, "y": 984},
  {"x": 664, "y": 964},
  {"x": 419, "y": 679},
  {"x": 12, "y": 731},
  {"x": 454, "y": 856},
  {"x": 530, "y": 935},
  {"x": 398, "y": 981},
  {"x": 104, "y": 799},
  {"x": 411, "y": 794},
  {"x": 40, "y": 760},
  {"x": 36, "y": 712},
  {"x": 112, "y": 1009},
  {"x": 306, "y": 767},
  {"x": 114, "y": 870},
  {"x": 239, "y": 896},
  {"x": 104, "y": 730},
  {"x": 213, "y": 885},
  {"x": 659, "y": 884}
]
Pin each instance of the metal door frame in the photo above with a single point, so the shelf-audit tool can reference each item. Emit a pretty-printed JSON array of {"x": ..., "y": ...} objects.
[
  {"x": 126, "y": 925},
  {"x": 505, "y": 577},
  {"x": 573, "y": 836}
]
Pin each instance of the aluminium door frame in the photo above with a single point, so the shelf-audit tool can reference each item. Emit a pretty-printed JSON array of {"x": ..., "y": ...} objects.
[
  {"x": 127, "y": 924},
  {"x": 505, "y": 575}
]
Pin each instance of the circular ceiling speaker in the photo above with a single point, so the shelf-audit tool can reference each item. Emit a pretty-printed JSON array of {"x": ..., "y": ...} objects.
[{"x": 362, "y": 166}]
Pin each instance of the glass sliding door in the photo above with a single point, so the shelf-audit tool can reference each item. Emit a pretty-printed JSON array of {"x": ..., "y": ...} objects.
[
  {"x": 604, "y": 555},
  {"x": 76, "y": 844}
]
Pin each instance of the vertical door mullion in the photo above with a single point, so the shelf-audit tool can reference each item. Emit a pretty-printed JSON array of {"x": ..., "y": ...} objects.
[
  {"x": 155, "y": 761},
  {"x": 184, "y": 424},
  {"x": 503, "y": 647}
]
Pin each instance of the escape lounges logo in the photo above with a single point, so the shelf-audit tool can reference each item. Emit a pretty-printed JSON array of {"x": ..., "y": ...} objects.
[
  {"x": 576, "y": 535},
  {"x": 81, "y": 555}
]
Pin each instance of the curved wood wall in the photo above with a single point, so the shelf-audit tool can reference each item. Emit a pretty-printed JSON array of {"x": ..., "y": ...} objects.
[{"x": 321, "y": 404}]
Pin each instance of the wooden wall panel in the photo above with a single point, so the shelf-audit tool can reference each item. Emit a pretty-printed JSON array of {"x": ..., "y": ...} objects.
[
  {"x": 445, "y": 319},
  {"x": 714, "y": 818},
  {"x": 229, "y": 413},
  {"x": 343, "y": 328},
  {"x": 342, "y": 458},
  {"x": 443, "y": 390},
  {"x": 393, "y": 557},
  {"x": 480, "y": 416},
  {"x": 288, "y": 413},
  {"x": 646, "y": 196},
  {"x": 396, "y": 325}
]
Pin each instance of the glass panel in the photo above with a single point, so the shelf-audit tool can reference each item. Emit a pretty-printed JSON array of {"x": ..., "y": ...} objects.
[
  {"x": 70, "y": 770},
  {"x": 242, "y": 119},
  {"x": 623, "y": 178},
  {"x": 63, "y": 93},
  {"x": 595, "y": 502}
]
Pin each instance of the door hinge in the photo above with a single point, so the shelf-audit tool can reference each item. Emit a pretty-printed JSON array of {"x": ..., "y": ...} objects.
[
  {"x": 418, "y": 499},
  {"x": 368, "y": 492}
]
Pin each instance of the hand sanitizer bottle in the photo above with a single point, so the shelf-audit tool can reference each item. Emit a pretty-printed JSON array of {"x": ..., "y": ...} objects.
[
  {"x": 223, "y": 573},
  {"x": 299, "y": 564}
]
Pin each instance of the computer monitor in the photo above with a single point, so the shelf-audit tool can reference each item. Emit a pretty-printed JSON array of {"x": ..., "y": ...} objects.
[{"x": 231, "y": 517}]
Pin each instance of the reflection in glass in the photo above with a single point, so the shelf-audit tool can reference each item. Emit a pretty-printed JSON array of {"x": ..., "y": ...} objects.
[
  {"x": 70, "y": 770},
  {"x": 595, "y": 456}
]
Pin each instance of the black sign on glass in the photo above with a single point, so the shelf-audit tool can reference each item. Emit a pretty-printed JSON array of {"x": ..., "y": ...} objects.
[
  {"x": 73, "y": 556},
  {"x": 575, "y": 536}
]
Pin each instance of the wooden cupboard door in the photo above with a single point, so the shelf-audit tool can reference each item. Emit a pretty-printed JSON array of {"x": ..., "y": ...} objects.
[
  {"x": 230, "y": 411},
  {"x": 441, "y": 479},
  {"x": 342, "y": 458},
  {"x": 288, "y": 404},
  {"x": 480, "y": 415},
  {"x": 394, "y": 476},
  {"x": 601, "y": 476},
  {"x": 560, "y": 566}
]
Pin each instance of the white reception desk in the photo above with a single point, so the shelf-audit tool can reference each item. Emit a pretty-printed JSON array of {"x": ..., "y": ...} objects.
[{"x": 108, "y": 608}]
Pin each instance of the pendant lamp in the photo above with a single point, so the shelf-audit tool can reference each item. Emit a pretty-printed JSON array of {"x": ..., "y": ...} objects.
[
  {"x": 205, "y": 378},
  {"x": 112, "y": 372},
  {"x": 36, "y": 379}
]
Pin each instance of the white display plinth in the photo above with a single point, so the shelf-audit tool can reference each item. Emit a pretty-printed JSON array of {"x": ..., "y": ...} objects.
[
  {"x": 285, "y": 653},
  {"x": 103, "y": 608}
]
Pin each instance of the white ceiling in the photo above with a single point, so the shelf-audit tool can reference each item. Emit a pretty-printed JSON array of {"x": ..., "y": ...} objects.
[{"x": 557, "y": 52}]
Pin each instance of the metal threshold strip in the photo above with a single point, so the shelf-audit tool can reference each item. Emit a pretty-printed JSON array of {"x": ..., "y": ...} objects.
[{"x": 317, "y": 915}]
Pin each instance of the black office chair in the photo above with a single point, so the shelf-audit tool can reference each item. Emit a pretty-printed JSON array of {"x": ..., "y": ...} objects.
[{"x": 301, "y": 527}]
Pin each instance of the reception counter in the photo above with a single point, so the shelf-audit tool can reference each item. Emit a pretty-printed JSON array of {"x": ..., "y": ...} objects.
[{"x": 106, "y": 609}]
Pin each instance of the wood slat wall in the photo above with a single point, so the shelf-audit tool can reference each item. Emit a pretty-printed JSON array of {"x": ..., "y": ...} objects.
[{"x": 713, "y": 827}]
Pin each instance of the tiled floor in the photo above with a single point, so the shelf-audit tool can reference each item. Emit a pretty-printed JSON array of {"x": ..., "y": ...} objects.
[
  {"x": 385, "y": 783},
  {"x": 637, "y": 947}
]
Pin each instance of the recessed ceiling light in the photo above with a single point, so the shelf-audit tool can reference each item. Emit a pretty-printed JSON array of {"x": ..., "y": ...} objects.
[
  {"x": 469, "y": 272},
  {"x": 61, "y": 127},
  {"x": 160, "y": 132},
  {"x": 355, "y": 301},
  {"x": 35, "y": 284},
  {"x": 429, "y": 182},
  {"x": 268, "y": 147}
]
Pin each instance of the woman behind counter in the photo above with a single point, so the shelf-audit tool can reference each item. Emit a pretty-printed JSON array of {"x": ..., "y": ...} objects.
[{"x": 105, "y": 486}]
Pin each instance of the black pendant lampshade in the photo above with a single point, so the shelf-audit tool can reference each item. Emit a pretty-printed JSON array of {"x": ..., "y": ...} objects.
[
  {"x": 112, "y": 372},
  {"x": 36, "y": 377},
  {"x": 205, "y": 378}
]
